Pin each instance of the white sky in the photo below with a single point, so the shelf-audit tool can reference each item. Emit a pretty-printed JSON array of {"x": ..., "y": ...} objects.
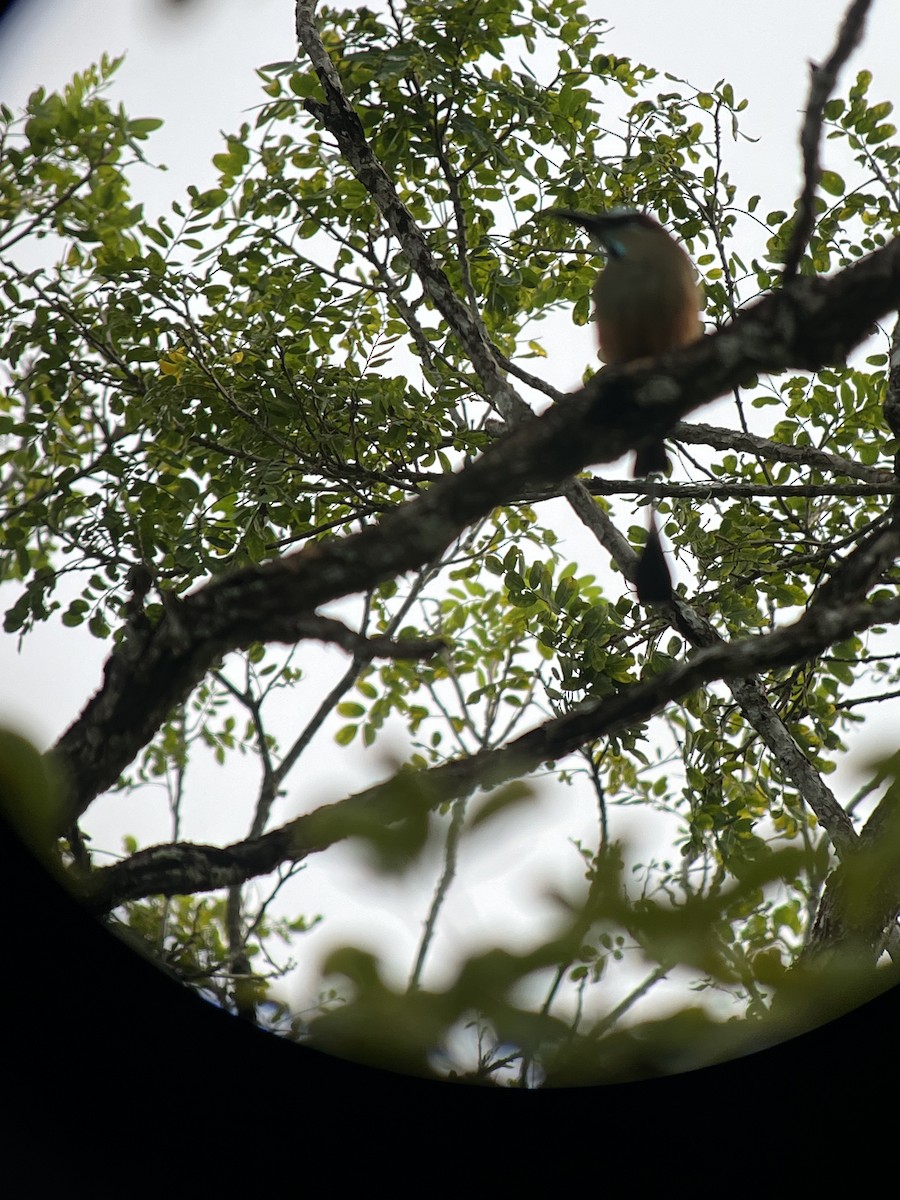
[{"x": 193, "y": 65}]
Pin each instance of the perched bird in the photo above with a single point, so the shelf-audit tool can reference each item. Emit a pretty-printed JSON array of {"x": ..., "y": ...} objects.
[
  {"x": 646, "y": 298},
  {"x": 646, "y": 301}
]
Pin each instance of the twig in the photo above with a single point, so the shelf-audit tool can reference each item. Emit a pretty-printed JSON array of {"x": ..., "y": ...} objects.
[{"x": 822, "y": 83}]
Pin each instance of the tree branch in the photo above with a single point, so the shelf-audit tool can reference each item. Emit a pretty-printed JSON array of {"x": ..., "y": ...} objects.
[
  {"x": 820, "y": 88},
  {"x": 340, "y": 119},
  {"x": 186, "y": 868},
  {"x": 810, "y": 457},
  {"x": 712, "y": 490},
  {"x": 327, "y": 629}
]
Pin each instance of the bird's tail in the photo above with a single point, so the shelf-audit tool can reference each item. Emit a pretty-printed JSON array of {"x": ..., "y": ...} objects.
[{"x": 653, "y": 580}]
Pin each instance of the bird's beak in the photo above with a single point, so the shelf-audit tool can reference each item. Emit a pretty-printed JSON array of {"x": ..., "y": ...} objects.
[
  {"x": 585, "y": 220},
  {"x": 591, "y": 223}
]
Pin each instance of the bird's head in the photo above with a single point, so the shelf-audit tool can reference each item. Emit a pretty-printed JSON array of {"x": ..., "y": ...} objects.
[{"x": 616, "y": 232}]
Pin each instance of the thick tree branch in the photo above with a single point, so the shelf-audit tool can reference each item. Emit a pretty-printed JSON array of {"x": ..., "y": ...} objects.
[{"x": 185, "y": 868}]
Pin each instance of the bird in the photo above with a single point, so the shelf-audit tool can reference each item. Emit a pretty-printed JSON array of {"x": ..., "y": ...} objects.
[{"x": 647, "y": 301}]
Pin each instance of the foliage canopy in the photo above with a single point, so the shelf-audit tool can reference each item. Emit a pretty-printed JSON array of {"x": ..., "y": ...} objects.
[{"x": 206, "y": 414}]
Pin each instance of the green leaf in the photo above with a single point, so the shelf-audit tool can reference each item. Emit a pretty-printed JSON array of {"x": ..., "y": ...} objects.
[{"x": 832, "y": 183}]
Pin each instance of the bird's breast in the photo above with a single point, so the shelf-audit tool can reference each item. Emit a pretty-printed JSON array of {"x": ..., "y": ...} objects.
[{"x": 640, "y": 314}]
